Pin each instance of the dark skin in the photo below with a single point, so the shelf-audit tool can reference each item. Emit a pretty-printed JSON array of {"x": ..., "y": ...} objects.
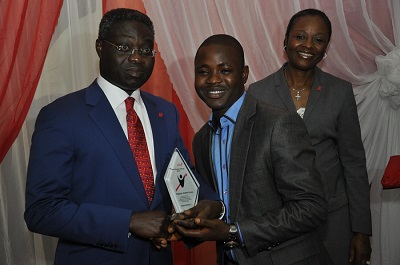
[
  {"x": 219, "y": 81},
  {"x": 306, "y": 45},
  {"x": 204, "y": 210},
  {"x": 126, "y": 71},
  {"x": 129, "y": 72}
]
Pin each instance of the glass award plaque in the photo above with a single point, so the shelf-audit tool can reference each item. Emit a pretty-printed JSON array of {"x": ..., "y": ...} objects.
[{"x": 182, "y": 185}]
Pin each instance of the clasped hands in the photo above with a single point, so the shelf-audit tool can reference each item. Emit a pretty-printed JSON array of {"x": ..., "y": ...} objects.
[{"x": 199, "y": 222}]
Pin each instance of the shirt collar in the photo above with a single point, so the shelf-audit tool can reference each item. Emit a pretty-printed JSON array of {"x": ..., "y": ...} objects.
[
  {"x": 115, "y": 95},
  {"x": 231, "y": 114}
]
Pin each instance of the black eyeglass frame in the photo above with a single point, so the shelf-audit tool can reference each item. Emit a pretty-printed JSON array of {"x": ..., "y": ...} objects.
[{"x": 144, "y": 52}]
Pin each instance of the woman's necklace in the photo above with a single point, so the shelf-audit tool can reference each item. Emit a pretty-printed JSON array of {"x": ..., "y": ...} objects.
[{"x": 298, "y": 91}]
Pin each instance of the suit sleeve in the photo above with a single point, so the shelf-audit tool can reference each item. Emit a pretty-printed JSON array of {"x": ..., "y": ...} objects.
[
  {"x": 50, "y": 209},
  {"x": 352, "y": 157},
  {"x": 296, "y": 202}
]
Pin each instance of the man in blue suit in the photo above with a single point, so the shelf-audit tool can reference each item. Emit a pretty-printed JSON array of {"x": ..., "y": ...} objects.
[{"x": 83, "y": 183}]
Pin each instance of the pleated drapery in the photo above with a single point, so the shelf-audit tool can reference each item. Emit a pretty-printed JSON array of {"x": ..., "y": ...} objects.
[{"x": 364, "y": 50}]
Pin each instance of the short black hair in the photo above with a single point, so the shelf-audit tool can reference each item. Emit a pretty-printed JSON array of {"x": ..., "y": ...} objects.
[
  {"x": 114, "y": 16},
  {"x": 307, "y": 12},
  {"x": 224, "y": 39}
]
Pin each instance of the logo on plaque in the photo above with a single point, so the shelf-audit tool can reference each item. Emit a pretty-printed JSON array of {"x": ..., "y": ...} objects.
[{"x": 182, "y": 185}]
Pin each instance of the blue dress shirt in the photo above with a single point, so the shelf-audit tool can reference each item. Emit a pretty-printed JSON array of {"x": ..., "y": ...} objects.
[{"x": 221, "y": 150}]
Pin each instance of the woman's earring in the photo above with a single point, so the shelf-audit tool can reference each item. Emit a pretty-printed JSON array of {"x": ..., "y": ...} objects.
[
  {"x": 325, "y": 55},
  {"x": 284, "y": 48}
]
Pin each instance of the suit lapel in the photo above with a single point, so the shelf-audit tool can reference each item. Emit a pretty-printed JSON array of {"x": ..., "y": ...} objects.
[
  {"x": 104, "y": 117},
  {"x": 315, "y": 93},
  {"x": 239, "y": 152},
  {"x": 157, "y": 121},
  {"x": 206, "y": 149},
  {"x": 283, "y": 90}
]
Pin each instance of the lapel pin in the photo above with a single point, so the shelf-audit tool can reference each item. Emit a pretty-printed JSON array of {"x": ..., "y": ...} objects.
[
  {"x": 318, "y": 88},
  {"x": 160, "y": 114}
]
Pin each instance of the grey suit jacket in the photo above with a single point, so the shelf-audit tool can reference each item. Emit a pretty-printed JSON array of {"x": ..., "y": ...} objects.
[
  {"x": 332, "y": 122},
  {"x": 275, "y": 190}
]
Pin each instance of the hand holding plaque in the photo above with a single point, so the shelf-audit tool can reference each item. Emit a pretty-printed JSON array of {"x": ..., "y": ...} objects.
[{"x": 182, "y": 185}]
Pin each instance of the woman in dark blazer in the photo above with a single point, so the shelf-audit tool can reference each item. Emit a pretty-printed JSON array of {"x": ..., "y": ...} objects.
[{"x": 327, "y": 106}]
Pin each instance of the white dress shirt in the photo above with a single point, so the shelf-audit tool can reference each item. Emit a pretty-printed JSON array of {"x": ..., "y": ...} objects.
[{"x": 116, "y": 96}]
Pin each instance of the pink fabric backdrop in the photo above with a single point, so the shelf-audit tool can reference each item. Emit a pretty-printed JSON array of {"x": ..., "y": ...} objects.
[
  {"x": 26, "y": 28},
  {"x": 364, "y": 50}
]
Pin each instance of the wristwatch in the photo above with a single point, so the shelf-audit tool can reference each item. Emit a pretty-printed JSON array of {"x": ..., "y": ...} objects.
[
  {"x": 233, "y": 237},
  {"x": 222, "y": 214}
]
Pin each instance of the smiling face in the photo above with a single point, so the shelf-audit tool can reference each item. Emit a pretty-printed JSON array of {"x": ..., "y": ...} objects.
[
  {"x": 219, "y": 76},
  {"x": 127, "y": 71},
  {"x": 307, "y": 42}
]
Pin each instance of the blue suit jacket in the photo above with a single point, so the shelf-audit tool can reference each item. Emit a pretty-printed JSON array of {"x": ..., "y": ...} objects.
[{"x": 83, "y": 183}]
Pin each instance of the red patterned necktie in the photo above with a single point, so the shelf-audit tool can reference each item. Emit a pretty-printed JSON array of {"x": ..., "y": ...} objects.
[{"x": 137, "y": 141}]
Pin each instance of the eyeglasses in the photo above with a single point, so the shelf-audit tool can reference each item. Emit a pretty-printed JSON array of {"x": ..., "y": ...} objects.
[{"x": 144, "y": 52}]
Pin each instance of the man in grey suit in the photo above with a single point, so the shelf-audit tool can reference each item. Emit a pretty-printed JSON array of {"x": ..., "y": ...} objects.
[{"x": 260, "y": 160}]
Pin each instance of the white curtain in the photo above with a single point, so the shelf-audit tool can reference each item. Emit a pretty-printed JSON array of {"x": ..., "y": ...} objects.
[
  {"x": 364, "y": 50},
  {"x": 71, "y": 64}
]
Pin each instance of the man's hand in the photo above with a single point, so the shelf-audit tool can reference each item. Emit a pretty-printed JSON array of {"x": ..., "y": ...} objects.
[
  {"x": 204, "y": 209},
  {"x": 159, "y": 242},
  {"x": 203, "y": 229},
  {"x": 150, "y": 224},
  {"x": 163, "y": 242},
  {"x": 360, "y": 249}
]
